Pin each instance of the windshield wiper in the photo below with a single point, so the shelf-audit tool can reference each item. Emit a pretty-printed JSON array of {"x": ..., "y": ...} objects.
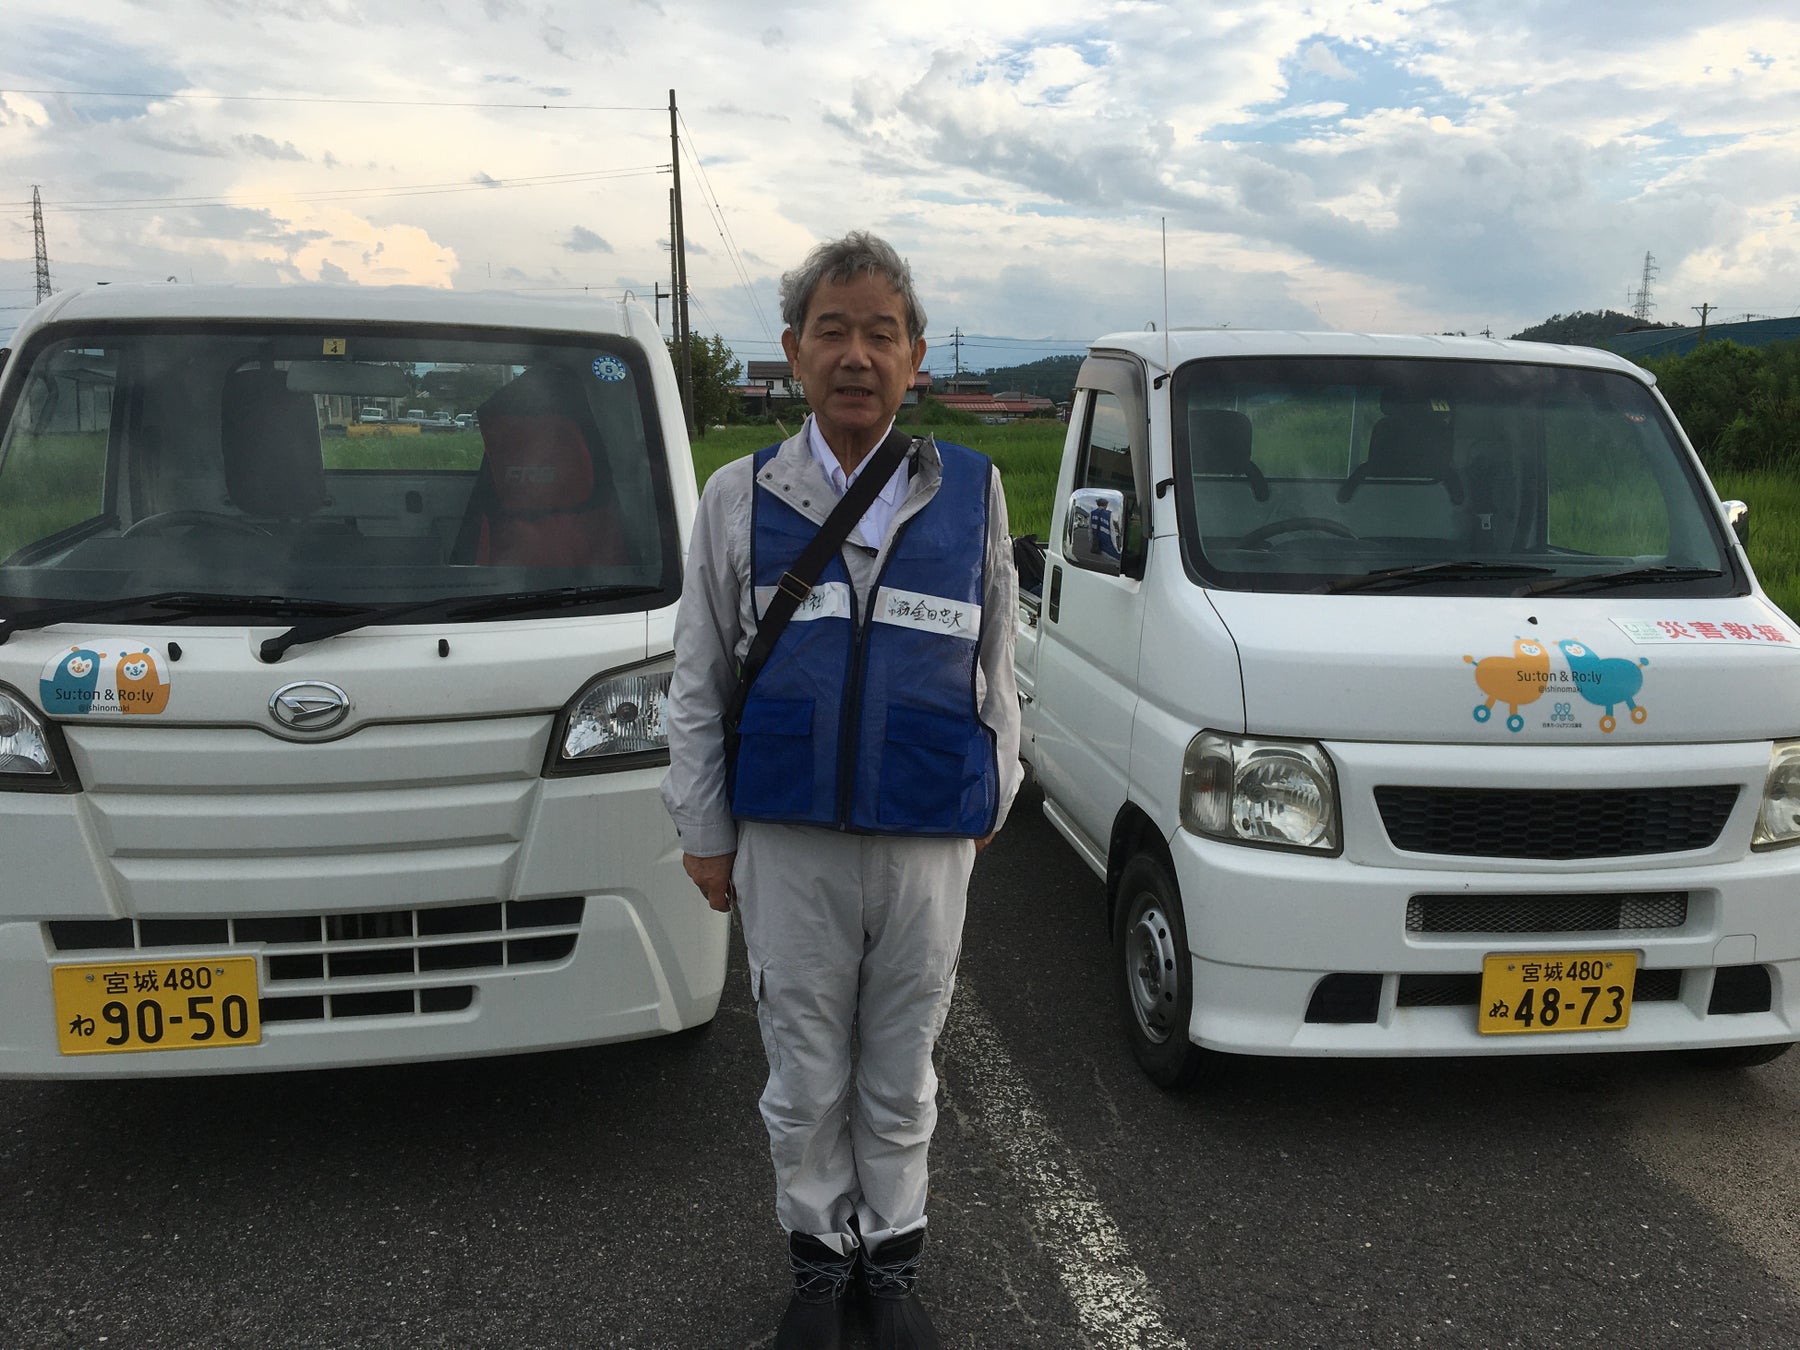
[
  {"x": 1438, "y": 571},
  {"x": 1630, "y": 576},
  {"x": 351, "y": 618},
  {"x": 173, "y": 602},
  {"x": 561, "y": 598}
]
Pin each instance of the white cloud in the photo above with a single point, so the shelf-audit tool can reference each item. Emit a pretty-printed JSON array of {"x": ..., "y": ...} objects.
[
  {"x": 1424, "y": 165},
  {"x": 583, "y": 240},
  {"x": 1320, "y": 59}
]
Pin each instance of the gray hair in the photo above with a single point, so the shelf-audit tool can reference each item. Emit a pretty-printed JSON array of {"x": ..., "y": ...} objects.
[{"x": 841, "y": 260}]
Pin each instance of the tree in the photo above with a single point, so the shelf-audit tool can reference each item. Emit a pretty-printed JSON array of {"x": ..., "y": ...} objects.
[
  {"x": 1585, "y": 328},
  {"x": 1739, "y": 405},
  {"x": 716, "y": 370}
]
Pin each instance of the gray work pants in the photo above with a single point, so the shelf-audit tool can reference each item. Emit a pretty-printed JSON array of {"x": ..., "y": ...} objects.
[{"x": 853, "y": 941}]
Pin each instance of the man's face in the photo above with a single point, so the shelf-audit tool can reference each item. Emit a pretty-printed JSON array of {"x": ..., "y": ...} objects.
[{"x": 855, "y": 360}]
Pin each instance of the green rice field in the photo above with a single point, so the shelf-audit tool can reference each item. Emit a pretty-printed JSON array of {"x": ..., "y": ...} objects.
[
  {"x": 1028, "y": 454},
  {"x": 65, "y": 471}
]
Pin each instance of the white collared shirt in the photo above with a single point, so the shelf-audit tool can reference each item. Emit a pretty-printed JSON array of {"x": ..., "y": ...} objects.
[{"x": 873, "y": 526}]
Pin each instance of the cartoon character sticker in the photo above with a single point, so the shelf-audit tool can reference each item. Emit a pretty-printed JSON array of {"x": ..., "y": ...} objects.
[
  {"x": 1586, "y": 677},
  {"x": 1606, "y": 682},
  {"x": 81, "y": 682},
  {"x": 141, "y": 684},
  {"x": 71, "y": 682},
  {"x": 1514, "y": 680}
]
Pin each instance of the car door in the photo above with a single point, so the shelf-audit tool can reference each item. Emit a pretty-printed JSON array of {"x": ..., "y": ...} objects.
[{"x": 1092, "y": 618}]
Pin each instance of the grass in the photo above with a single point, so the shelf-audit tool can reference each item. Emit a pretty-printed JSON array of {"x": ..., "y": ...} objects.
[
  {"x": 428, "y": 451},
  {"x": 1774, "y": 500},
  {"x": 1026, "y": 453},
  {"x": 1029, "y": 453},
  {"x": 54, "y": 480}
]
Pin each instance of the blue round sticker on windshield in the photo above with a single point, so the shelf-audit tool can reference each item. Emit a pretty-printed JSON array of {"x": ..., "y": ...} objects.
[{"x": 609, "y": 368}]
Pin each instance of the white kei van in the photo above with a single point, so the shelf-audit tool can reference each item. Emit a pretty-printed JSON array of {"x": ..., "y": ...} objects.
[
  {"x": 322, "y": 744},
  {"x": 1413, "y": 696}
]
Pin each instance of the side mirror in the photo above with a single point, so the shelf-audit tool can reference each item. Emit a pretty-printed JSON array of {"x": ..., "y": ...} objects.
[
  {"x": 1737, "y": 515},
  {"x": 1094, "y": 530}
]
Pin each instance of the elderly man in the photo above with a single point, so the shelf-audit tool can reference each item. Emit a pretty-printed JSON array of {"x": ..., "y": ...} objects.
[{"x": 875, "y": 753}]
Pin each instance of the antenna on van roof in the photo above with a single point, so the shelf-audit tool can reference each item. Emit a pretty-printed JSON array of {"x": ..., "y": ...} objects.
[
  {"x": 1157, "y": 383},
  {"x": 1165, "y": 244}
]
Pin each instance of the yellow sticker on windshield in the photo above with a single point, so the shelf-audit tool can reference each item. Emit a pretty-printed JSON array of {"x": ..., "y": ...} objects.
[{"x": 334, "y": 346}]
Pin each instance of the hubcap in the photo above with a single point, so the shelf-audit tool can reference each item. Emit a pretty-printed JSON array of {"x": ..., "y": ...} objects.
[{"x": 1152, "y": 974}]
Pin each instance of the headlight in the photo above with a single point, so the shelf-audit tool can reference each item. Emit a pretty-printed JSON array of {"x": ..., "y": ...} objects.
[
  {"x": 1778, "y": 821},
  {"x": 30, "y": 749},
  {"x": 1246, "y": 790},
  {"x": 615, "y": 722}
]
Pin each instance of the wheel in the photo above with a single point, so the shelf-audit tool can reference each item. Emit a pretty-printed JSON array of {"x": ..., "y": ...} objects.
[
  {"x": 164, "y": 520},
  {"x": 1156, "y": 985},
  {"x": 1296, "y": 525},
  {"x": 1739, "y": 1056}
]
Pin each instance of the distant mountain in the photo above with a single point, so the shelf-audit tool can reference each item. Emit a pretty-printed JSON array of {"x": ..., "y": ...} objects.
[
  {"x": 1053, "y": 377},
  {"x": 1586, "y": 328}
]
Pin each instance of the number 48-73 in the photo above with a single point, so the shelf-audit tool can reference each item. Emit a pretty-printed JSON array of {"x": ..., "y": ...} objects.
[{"x": 1546, "y": 1007}]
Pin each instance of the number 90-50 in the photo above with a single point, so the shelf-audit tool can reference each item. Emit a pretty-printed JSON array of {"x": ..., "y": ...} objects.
[{"x": 232, "y": 1019}]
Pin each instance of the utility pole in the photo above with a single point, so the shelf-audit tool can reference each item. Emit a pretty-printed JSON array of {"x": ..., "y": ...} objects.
[
  {"x": 956, "y": 347},
  {"x": 674, "y": 278},
  {"x": 43, "y": 253},
  {"x": 679, "y": 301},
  {"x": 1703, "y": 311}
]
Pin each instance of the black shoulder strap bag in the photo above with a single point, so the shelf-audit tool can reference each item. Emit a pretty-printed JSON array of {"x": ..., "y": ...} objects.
[{"x": 798, "y": 581}]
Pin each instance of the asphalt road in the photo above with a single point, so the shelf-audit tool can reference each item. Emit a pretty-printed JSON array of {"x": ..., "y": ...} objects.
[{"x": 620, "y": 1196}]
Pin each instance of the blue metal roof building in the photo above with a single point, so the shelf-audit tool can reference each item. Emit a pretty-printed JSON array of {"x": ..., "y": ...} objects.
[{"x": 1654, "y": 343}]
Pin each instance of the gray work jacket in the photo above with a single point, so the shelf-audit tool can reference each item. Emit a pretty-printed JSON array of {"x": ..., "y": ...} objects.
[{"x": 717, "y": 621}]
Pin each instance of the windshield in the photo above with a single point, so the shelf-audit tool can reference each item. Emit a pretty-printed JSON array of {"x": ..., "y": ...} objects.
[
  {"x": 372, "y": 466},
  {"x": 1447, "y": 476}
]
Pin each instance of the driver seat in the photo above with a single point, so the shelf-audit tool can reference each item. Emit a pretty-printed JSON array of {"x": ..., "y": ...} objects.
[
  {"x": 269, "y": 441},
  {"x": 1220, "y": 442}
]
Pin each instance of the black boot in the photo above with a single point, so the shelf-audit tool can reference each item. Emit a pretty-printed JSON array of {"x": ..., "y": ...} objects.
[
  {"x": 814, "y": 1319},
  {"x": 890, "y": 1281}
]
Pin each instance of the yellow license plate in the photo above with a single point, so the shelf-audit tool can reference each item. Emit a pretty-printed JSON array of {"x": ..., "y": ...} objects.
[
  {"x": 113, "y": 1007},
  {"x": 1554, "y": 991}
]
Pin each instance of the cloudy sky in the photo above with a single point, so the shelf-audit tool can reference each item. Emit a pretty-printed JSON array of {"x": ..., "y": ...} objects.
[{"x": 1395, "y": 165}]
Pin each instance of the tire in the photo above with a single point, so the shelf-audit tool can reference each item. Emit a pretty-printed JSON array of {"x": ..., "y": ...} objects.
[
  {"x": 1739, "y": 1056},
  {"x": 1155, "y": 975}
]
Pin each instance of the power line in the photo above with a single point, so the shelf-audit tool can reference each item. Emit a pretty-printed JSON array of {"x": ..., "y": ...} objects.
[
  {"x": 326, "y": 195},
  {"x": 732, "y": 252},
  {"x": 320, "y": 98}
]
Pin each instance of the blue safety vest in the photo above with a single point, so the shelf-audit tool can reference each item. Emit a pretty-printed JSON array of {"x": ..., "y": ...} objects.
[{"x": 869, "y": 722}]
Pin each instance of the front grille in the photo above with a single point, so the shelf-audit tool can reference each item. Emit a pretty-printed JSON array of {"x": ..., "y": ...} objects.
[
  {"x": 1464, "y": 990},
  {"x": 1554, "y": 823},
  {"x": 1437, "y": 991},
  {"x": 1553, "y": 913},
  {"x": 358, "y": 965}
]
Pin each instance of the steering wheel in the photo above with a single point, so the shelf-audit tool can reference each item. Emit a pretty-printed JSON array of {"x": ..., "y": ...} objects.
[
  {"x": 1295, "y": 525},
  {"x": 164, "y": 520}
]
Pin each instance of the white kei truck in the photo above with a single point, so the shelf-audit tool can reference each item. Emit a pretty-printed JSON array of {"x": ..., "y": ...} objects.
[
  {"x": 1412, "y": 696},
  {"x": 325, "y": 741}
]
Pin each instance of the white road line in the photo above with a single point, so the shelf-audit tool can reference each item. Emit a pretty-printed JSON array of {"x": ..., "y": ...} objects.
[{"x": 1114, "y": 1303}]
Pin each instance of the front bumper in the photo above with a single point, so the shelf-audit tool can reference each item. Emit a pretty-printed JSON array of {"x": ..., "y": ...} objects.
[
  {"x": 1268, "y": 928},
  {"x": 598, "y": 937}
]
